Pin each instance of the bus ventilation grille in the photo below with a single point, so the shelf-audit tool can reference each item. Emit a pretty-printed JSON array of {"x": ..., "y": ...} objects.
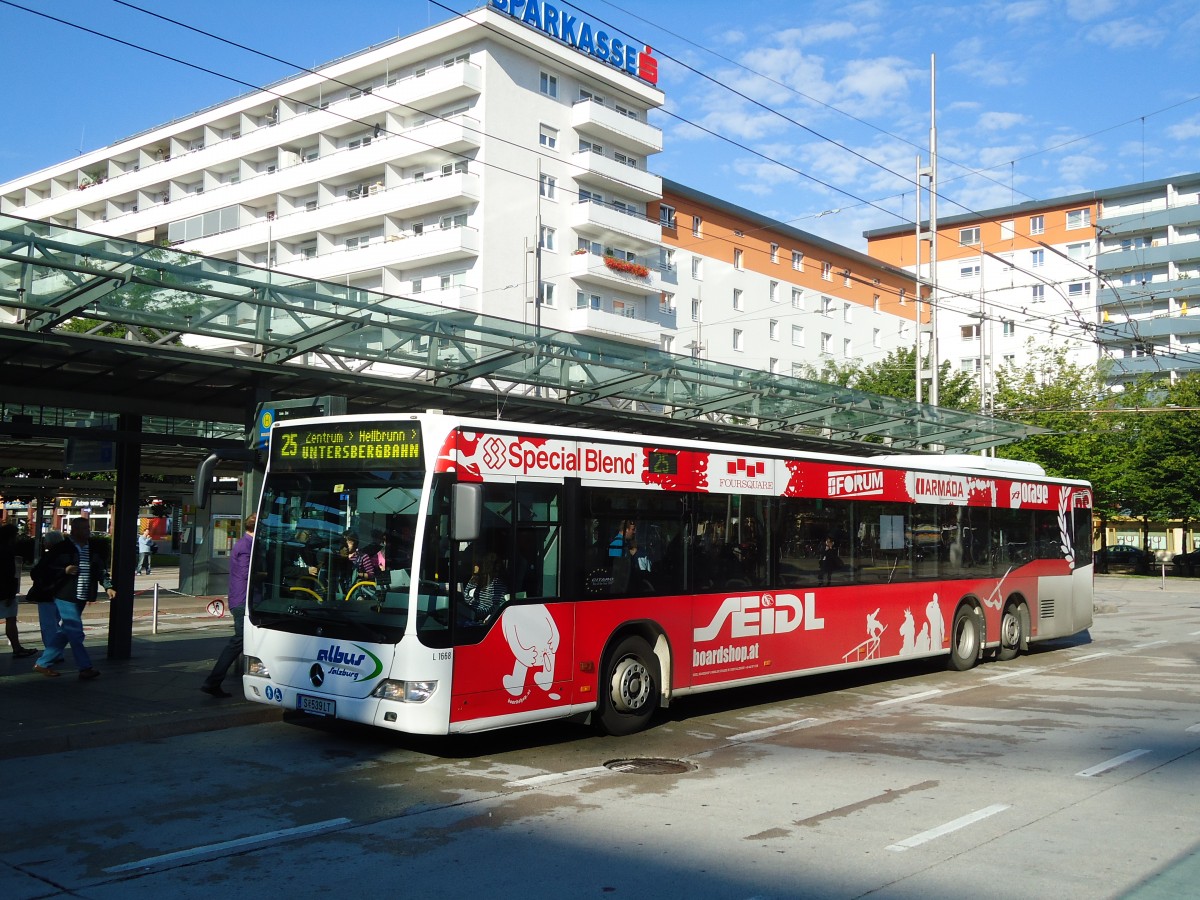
[
  {"x": 1046, "y": 608},
  {"x": 649, "y": 766}
]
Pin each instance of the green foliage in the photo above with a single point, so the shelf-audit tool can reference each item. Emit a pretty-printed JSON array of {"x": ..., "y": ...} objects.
[{"x": 896, "y": 376}]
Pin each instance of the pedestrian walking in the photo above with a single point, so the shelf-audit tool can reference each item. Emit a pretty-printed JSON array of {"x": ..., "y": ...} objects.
[
  {"x": 239, "y": 583},
  {"x": 48, "y": 620},
  {"x": 145, "y": 551},
  {"x": 10, "y": 587},
  {"x": 75, "y": 570},
  {"x": 829, "y": 563}
]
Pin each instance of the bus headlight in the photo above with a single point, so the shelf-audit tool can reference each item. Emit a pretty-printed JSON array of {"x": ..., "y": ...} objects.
[
  {"x": 405, "y": 691},
  {"x": 257, "y": 668}
]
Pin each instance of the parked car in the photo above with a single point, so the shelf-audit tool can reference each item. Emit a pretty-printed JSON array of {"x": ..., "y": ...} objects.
[
  {"x": 1124, "y": 558},
  {"x": 1186, "y": 564}
]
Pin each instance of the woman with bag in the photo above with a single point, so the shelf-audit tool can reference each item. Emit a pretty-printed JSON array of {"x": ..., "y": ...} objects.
[{"x": 10, "y": 585}]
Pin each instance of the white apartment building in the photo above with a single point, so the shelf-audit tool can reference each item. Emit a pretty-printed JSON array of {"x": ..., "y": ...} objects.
[{"x": 480, "y": 164}]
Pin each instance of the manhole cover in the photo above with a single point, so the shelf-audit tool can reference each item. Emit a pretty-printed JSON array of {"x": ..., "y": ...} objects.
[{"x": 649, "y": 766}]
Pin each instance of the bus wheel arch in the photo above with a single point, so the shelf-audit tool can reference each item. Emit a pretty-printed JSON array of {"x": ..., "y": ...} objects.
[
  {"x": 966, "y": 635},
  {"x": 1014, "y": 628},
  {"x": 632, "y": 685}
]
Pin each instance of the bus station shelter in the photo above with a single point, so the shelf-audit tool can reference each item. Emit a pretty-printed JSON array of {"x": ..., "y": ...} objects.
[{"x": 167, "y": 356}]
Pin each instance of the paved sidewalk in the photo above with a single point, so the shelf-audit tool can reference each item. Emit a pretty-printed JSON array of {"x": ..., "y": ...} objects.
[{"x": 154, "y": 694}]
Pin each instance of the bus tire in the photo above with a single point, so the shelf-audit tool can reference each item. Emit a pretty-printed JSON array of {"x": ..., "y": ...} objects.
[
  {"x": 965, "y": 639},
  {"x": 1012, "y": 631},
  {"x": 629, "y": 693}
]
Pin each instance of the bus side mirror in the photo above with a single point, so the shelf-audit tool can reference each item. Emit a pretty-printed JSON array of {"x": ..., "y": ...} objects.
[{"x": 466, "y": 511}]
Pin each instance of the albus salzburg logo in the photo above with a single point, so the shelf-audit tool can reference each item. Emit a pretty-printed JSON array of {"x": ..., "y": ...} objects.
[
  {"x": 346, "y": 663},
  {"x": 574, "y": 31}
]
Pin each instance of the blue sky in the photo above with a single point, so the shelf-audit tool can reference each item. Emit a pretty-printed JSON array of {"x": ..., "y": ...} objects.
[{"x": 1035, "y": 98}]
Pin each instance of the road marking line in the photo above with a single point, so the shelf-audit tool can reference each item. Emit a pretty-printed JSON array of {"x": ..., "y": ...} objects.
[
  {"x": 1148, "y": 644},
  {"x": 1076, "y": 659},
  {"x": 1013, "y": 674},
  {"x": 1111, "y": 764},
  {"x": 240, "y": 843},
  {"x": 920, "y": 696},
  {"x": 774, "y": 729},
  {"x": 1195, "y": 727},
  {"x": 550, "y": 778},
  {"x": 970, "y": 819},
  {"x": 1193, "y": 633}
]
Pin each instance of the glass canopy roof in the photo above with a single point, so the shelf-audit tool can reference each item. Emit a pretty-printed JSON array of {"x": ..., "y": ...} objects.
[{"x": 167, "y": 305}]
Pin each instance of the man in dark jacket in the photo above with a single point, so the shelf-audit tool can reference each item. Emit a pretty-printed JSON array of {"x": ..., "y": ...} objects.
[{"x": 76, "y": 571}]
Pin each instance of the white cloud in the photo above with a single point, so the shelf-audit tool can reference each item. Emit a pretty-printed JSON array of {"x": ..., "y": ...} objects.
[
  {"x": 1088, "y": 10},
  {"x": 1187, "y": 130},
  {"x": 1001, "y": 121},
  {"x": 1120, "y": 34},
  {"x": 873, "y": 85}
]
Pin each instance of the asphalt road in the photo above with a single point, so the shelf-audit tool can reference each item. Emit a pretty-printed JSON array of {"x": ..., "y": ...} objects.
[{"x": 1067, "y": 772}]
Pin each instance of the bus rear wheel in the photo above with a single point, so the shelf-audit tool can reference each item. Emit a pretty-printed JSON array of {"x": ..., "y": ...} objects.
[
  {"x": 1012, "y": 631},
  {"x": 629, "y": 693},
  {"x": 964, "y": 639}
]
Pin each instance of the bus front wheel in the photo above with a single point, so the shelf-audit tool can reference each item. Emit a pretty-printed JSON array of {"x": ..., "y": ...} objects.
[
  {"x": 629, "y": 693},
  {"x": 964, "y": 639}
]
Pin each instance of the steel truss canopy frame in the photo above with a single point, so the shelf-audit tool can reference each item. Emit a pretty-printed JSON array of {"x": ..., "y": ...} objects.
[{"x": 135, "y": 327}]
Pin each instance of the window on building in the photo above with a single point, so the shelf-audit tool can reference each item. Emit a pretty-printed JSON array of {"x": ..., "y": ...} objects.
[
  {"x": 845, "y": 278},
  {"x": 903, "y": 296},
  {"x": 1037, "y": 224},
  {"x": 876, "y": 338},
  {"x": 584, "y": 300},
  {"x": 666, "y": 343},
  {"x": 827, "y": 271},
  {"x": 775, "y": 253},
  {"x": 547, "y": 185},
  {"x": 797, "y": 335},
  {"x": 970, "y": 332},
  {"x": 666, "y": 216},
  {"x": 588, "y": 95},
  {"x": 797, "y": 298},
  {"x": 358, "y": 241},
  {"x": 362, "y": 140},
  {"x": 1078, "y": 218},
  {"x": 625, "y": 159},
  {"x": 875, "y": 303},
  {"x": 826, "y": 344},
  {"x": 969, "y": 237},
  {"x": 1037, "y": 258},
  {"x": 737, "y": 339},
  {"x": 737, "y": 298},
  {"x": 773, "y": 365},
  {"x": 1079, "y": 251},
  {"x": 666, "y": 303},
  {"x": 797, "y": 260},
  {"x": 970, "y": 365},
  {"x": 1079, "y": 290},
  {"x": 548, "y": 137},
  {"x": 548, "y": 293},
  {"x": 737, "y": 258},
  {"x": 827, "y": 306},
  {"x": 968, "y": 271},
  {"x": 698, "y": 268},
  {"x": 457, "y": 220},
  {"x": 307, "y": 251},
  {"x": 847, "y": 313},
  {"x": 1038, "y": 293},
  {"x": 773, "y": 291},
  {"x": 548, "y": 85},
  {"x": 1009, "y": 328},
  {"x": 695, "y": 310},
  {"x": 697, "y": 226},
  {"x": 625, "y": 308},
  {"x": 773, "y": 329},
  {"x": 847, "y": 348},
  {"x": 548, "y": 239}
]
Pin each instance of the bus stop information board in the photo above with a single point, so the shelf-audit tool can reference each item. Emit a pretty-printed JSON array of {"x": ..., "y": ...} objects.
[{"x": 346, "y": 447}]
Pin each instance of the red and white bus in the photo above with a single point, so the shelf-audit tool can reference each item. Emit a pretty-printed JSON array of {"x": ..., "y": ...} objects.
[{"x": 435, "y": 575}]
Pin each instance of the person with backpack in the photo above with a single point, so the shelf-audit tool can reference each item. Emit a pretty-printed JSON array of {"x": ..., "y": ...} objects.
[{"x": 73, "y": 570}]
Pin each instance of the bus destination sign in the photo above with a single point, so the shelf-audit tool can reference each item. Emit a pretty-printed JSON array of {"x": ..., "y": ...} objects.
[{"x": 346, "y": 446}]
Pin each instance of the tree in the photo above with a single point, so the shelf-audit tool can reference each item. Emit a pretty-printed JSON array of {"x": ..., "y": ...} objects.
[
  {"x": 896, "y": 376},
  {"x": 1164, "y": 468}
]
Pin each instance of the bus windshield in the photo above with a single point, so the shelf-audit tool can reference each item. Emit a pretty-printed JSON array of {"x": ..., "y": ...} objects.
[{"x": 333, "y": 553}]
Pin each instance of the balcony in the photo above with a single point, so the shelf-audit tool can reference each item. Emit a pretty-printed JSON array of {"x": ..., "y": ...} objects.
[
  {"x": 612, "y": 225},
  {"x": 1157, "y": 254},
  {"x": 590, "y": 118},
  {"x": 417, "y": 198},
  {"x": 589, "y": 268},
  {"x": 1182, "y": 216},
  {"x": 599, "y": 323},
  {"x": 433, "y": 246},
  {"x": 612, "y": 176},
  {"x": 437, "y": 87}
]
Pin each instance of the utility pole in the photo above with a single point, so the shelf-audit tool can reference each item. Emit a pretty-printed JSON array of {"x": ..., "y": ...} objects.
[{"x": 927, "y": 180}]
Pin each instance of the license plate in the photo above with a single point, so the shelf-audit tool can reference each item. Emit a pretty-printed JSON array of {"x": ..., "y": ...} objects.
[{"x": 316, "y": 706}]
